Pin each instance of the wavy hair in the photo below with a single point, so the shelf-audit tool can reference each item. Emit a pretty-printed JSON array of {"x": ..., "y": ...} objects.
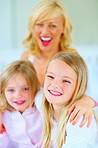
[{"x": 45, "y": 10}]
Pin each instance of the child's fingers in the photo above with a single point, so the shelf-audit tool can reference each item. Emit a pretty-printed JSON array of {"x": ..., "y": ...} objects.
[
  {"x": 77, "y": 117},
  {"x": 85, "y": 117},
  {"x": 89, "y": 120},
  {"x": 74, "y": 114},
  {"x": 71, "y": 109}
]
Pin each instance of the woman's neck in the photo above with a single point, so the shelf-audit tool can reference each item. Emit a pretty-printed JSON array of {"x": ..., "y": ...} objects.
[{"x": 46, "y": 55}]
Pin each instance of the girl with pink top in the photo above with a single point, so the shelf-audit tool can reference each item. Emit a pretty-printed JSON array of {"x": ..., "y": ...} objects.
[{"x": 18, "y": 87}]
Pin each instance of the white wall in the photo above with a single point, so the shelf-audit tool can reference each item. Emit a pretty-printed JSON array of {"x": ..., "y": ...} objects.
[
  {"x": 84, "y": 17},
  {"x": 5, "y": 24}
]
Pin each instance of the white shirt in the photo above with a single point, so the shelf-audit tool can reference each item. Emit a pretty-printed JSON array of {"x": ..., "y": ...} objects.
[{"x": 78, "y": 137}]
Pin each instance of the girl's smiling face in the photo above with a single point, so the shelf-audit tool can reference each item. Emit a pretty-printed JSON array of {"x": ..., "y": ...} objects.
[
  {"x": 17, "y": 93},
  {"x": 60, "y": 83}
]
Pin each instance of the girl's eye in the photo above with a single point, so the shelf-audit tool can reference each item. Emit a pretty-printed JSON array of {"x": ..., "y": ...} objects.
[
  {"x": 66, "y": 81},
  {"x": 25, "y": 89},
  {"x": 49, "y": 76},
  {"x": 11, "y": 90}
]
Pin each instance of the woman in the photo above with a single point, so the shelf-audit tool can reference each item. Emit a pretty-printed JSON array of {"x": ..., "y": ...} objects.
[{"x": 49, "y": 32}]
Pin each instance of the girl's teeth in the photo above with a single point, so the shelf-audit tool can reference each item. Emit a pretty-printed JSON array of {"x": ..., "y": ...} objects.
[
  {"x": 19, "y": 101},
  {"x": 55, "y": 93}
]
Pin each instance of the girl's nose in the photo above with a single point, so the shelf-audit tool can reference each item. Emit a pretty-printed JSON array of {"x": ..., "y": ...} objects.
[
  {"x": 55, "y": 84},
  {"x": 18, "y": 94}
]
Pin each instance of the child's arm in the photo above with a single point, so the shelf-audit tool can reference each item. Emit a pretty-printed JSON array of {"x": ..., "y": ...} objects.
[{"x": 82, "y": 107}]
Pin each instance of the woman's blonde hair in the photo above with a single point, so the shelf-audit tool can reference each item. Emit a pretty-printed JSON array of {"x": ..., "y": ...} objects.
[
  {"x": 26, "y": 69},
  {"x": 45, "y": 10},
  {"x": 76, "y": 62}
]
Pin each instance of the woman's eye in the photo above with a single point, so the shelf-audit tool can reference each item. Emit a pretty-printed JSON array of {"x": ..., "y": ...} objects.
[
  {"x": 39, "y": 24},
  {"x": 53, "y": 26}
]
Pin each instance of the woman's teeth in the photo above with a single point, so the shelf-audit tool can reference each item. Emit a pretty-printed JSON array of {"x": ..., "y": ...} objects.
[{"x": 45, "y": 39}]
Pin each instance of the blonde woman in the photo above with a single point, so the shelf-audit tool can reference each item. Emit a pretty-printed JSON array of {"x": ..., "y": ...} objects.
[
  {"x": 65, "y": 82},
  {"x": 18, "y": 87}
]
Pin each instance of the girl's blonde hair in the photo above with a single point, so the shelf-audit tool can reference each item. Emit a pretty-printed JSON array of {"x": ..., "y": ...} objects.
[
  {"x": 76, "y": 62},
  {"x": 26, "y": 69},
  {"x": 45, "y": 10}
]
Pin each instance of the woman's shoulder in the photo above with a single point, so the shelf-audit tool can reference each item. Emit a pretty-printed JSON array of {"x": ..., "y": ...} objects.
[{"x": 24, "y": 55}]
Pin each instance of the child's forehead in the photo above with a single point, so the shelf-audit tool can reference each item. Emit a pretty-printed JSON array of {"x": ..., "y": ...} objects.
[
  {"x": 59, "y": 64},
  {"x": 56, "y": 62},
  {"x": 18, "y": 76}
]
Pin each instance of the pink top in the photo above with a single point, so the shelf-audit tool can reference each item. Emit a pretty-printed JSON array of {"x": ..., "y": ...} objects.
[{"x": 24, "y": 130}]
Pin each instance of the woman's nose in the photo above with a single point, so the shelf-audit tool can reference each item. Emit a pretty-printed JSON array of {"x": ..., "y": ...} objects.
[{"x": 45, "y": 30}]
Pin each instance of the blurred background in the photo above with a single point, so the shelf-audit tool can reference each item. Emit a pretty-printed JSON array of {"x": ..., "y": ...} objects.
[{"x": 83, "y": 15}]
